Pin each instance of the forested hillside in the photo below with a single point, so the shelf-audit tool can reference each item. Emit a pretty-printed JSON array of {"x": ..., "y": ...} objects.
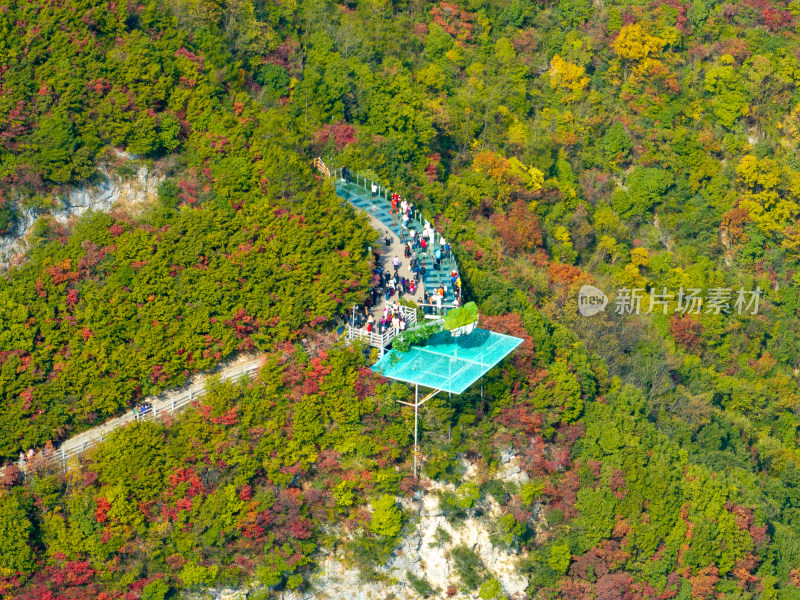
[{"x": 647, "y": 145}]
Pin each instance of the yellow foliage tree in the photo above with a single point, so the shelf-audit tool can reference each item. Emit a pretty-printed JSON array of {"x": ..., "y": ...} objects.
[
  {"x": 567, "y": 76},
  {"x": 640, "y": 257},
  {"x": 507, "y": 173},
  {"x": 637, "y": 46},
  {"x": 770, "y": 193}
]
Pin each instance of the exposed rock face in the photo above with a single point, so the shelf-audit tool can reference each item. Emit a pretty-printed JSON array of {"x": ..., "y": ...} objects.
[
  {"x": 101, "y": 196},
  {"x": 418, "y": 553}
]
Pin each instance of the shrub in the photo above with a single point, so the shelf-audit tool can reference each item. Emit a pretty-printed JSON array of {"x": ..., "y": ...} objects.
[
  {"x": 495, "y": 489},
  {"x": 420, "y": 585},
  {"x": 491, "y": 590},
  {"x": 469, "y": 567},
  {"x": 441, "y": 537}
]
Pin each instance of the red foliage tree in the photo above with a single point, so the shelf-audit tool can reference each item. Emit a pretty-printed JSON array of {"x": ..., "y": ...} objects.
[
  {"x": 519, "y": 229},
  {"x": 703, "y": 583},
  {"x": 733, "y": 223},
  {"x": 686, "y": 331},
  {"x": 103, "y": 505},
  {"x": 614, "y": 586},
  {"x": 342, "y": 134}
]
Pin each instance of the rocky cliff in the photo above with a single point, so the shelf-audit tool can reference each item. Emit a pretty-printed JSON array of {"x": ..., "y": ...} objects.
[
  {"x": 423, "y": 553},
  {"x": 110, "y": 190}
]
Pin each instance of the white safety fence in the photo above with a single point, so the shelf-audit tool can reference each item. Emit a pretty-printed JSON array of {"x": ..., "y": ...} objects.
[
  {"x": 381, "y": 340},
  {"x": 154, "y": 407}
]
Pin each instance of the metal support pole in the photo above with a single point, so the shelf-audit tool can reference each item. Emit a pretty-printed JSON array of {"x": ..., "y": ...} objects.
[{"x": 416, "y": 413}]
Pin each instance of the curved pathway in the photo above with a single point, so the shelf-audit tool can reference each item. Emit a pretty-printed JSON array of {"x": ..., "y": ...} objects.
[
  {"x": 155, "y": 407},
  {"x": 387, "y": 224}
]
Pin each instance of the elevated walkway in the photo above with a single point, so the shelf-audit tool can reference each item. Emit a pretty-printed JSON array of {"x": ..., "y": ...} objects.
[
  {"x": 357, "y": 191},
  {"x": 153, "y": 407}
]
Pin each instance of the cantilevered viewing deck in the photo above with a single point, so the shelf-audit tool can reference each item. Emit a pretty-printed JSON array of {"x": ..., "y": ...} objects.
[{"x": 450, "y": 364}]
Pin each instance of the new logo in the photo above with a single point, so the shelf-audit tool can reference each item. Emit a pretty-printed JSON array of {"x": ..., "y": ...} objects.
[{"x": 591, "y": 300}]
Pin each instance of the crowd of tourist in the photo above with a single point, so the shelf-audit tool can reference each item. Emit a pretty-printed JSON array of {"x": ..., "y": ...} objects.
[
  {"x": 393, "y": 318},
  {"x": 33, "y": 460},
  {"x": 397, "y": 278},
  {"x": 143, "y": 409}
]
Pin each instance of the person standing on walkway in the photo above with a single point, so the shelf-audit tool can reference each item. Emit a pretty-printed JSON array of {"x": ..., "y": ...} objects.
[
  {"x": 374, "y": 189},
  {"x": 396, "y": 263},
  {"x": 395, "y": 199}
]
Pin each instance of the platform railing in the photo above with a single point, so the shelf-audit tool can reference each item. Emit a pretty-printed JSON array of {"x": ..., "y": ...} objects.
[{"x": 381, "y": 340}]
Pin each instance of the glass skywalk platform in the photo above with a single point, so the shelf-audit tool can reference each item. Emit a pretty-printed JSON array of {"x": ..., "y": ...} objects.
[{"x": 447, "y": 363}]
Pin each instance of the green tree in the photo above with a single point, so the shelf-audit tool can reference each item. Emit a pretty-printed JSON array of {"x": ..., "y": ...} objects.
[
  {"x": 133, "y": 458},
  {"x": 560, "y": 557},
  {"x": 615, "y": 143},
  {"x": 387, "y": 518},
  {"x": 16, "y": 555},
  {"x": 729, "y": 99},
  {"x": 646, "y": 188},
  {"x": 53, "y": 145}
]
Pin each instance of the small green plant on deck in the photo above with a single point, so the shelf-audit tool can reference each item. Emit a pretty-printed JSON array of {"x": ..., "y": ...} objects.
[
  {"x": 457, "y": 318},
  {"x": 412, "y": 337}
]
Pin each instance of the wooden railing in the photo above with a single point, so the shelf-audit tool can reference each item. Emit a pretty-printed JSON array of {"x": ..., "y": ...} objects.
[{"x": 320, "y": 166}]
